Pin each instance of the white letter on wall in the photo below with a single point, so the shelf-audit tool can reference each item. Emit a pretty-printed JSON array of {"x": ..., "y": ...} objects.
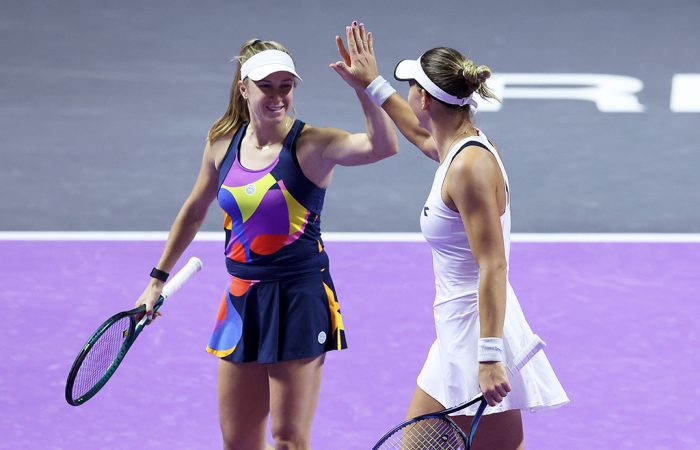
[
  {"x": 610, "y": 93},
  {"x": 685, "y": 92}
]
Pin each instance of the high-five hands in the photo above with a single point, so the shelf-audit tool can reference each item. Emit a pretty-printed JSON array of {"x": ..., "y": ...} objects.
[{"x": 359, "y": 66}]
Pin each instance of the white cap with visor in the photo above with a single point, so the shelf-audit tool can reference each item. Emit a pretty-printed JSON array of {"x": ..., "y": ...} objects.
[
  {"x": 267, "y": 62},
  {"x": 411, "y": 69}
]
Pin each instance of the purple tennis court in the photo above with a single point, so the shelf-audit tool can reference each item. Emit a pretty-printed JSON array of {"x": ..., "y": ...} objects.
[
  {"x": 618, "y": 318},
  {"x": 104, "y": 110}
]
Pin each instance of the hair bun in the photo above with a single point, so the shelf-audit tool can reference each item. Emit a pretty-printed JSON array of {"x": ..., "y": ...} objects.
[
  {"x": 483, "y": 73},
  {"x": 473, "y": 74}
]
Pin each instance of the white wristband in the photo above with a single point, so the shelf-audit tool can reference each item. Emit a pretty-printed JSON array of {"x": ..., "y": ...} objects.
[
  {"x": 490, "y": 349},
  {"x": 379, "y": 90}
]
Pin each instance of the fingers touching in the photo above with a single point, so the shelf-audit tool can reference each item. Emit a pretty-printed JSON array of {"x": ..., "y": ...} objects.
[
  {"x": 358, "y": 41},
  {"x": 358, "y": 66}
]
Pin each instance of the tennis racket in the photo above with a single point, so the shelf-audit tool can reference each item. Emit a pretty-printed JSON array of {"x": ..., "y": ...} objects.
[
  {"x": 106, "y": 348},
  {"x": 436, "y": 430}
]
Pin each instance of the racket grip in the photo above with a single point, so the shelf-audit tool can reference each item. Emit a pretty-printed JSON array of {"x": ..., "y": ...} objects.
[
  {"x": 533, "y": 346},
  {"x": 193, "y": 266}
]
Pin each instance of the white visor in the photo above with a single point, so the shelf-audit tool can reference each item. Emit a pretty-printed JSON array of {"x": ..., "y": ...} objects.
[
  {"x": 266, "y": 62},
  {"x": 410, "y": 69}
]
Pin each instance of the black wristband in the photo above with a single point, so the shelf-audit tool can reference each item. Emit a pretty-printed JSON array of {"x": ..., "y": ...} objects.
[{"x": 159, "y": 275}]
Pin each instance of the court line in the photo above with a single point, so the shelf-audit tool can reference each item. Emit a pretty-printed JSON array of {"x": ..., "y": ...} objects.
[{"x": 351, "y": 237}]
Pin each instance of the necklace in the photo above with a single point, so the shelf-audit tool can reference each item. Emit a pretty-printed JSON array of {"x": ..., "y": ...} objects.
[
  {"x": 269, "y": 144},
  {"x": 459, "y": 135}
]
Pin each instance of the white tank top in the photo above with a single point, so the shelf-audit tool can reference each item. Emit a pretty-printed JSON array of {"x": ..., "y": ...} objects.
[{"x": 456, "y": 270}]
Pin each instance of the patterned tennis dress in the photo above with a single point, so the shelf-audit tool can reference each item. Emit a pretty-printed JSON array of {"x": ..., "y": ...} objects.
[{"x": 280, "y": 303}]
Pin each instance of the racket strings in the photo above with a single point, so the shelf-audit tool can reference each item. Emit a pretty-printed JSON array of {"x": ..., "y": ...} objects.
[
  {"x": 431, "y": 433},
  {"x": 100, "y": 357}
]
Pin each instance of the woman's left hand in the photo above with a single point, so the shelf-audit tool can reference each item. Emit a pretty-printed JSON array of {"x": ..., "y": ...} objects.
[
  {"x": 359, "y": 66},
  {"x": 493, "y": 382}
]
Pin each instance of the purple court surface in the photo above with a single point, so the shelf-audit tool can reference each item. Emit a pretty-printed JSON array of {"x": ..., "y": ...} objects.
[{"x": 620, "y": 320}]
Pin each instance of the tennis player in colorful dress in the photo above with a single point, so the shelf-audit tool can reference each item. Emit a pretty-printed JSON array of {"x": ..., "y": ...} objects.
[
  {"x": 279, "y": 314},
  {"x": 479, "y": 324}
]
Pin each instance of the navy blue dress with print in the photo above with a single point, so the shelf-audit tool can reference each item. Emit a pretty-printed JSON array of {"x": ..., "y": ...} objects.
[{"x": 280, "y": 303}]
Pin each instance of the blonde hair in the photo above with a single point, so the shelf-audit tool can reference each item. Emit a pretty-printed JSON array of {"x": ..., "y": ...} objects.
[
  {"x": 237, "y": 111},
  {"x": 456, "y": 74}
]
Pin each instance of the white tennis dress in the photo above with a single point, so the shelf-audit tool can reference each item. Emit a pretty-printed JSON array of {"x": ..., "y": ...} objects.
[{"x": 451, "y": 372}]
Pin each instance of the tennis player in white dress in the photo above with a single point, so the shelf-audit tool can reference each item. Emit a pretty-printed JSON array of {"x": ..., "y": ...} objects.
[{"x": 466, "y": 220}]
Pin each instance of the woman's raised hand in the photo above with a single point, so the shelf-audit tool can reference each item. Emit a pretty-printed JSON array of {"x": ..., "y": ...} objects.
[{"x": 359, "y": 66}]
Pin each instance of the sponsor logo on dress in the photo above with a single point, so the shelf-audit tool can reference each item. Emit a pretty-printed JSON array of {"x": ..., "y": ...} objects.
[
  {"x": 322, "y": 337},
  {"x": 250, "y": 189}
]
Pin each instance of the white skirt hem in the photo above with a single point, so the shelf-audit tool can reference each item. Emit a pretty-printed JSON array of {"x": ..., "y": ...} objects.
[{"x": 450, "y": 373}]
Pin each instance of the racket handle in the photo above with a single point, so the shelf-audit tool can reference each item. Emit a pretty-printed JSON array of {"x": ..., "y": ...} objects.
[
  {"x": 533, "y": 346},
  {"x": 193, "y": 266}
]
